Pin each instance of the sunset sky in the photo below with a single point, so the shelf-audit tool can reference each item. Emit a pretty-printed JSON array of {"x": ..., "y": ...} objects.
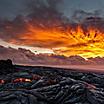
[{"x": 62, "y": 27}]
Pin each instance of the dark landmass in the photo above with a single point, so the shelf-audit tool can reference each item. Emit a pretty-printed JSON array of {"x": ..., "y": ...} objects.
[{"x": 47, "y": 85}]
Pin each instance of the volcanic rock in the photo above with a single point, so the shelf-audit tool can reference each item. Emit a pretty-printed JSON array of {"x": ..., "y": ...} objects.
[
  {"x": 44, "y": 85},
  {"x": 6, "y": 66}
]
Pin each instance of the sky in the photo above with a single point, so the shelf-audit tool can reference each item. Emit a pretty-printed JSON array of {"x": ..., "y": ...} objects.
[
  {"x": 87, "y": 5},
  {"x": 11, "y": 8},
  {"x": 42, "y": 26}
]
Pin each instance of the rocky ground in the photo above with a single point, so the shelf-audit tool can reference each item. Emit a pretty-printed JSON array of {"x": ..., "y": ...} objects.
[{"x": 46, "y": 85}]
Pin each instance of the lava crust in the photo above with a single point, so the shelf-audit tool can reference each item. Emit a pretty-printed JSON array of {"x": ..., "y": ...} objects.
[{"x": 46, "y": 85}]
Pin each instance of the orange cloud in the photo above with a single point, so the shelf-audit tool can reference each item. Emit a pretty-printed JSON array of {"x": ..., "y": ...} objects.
[
  {"x": 68, "y": 42},
  {"x": 81, "y": 39}
]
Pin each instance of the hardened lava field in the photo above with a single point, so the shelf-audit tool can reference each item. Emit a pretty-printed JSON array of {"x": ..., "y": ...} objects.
[{"x": 46, "y": 85}]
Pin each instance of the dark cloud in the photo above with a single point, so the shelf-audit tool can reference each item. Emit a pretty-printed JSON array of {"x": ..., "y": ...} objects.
[
  {"x": 45, "y": 12},
  {"x": 90, "y": 6},
  {"x": 80, "y": 15}
]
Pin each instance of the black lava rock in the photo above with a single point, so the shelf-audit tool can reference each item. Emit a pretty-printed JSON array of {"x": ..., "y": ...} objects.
[
  {"x": 41, "y": 85},
  {"x": 6, "y": 67}
]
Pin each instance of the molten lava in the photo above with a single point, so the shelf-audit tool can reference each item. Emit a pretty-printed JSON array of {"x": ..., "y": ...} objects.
[
  {"x": 2, "y": 81},
  {"x": 21, "y": 80}
]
